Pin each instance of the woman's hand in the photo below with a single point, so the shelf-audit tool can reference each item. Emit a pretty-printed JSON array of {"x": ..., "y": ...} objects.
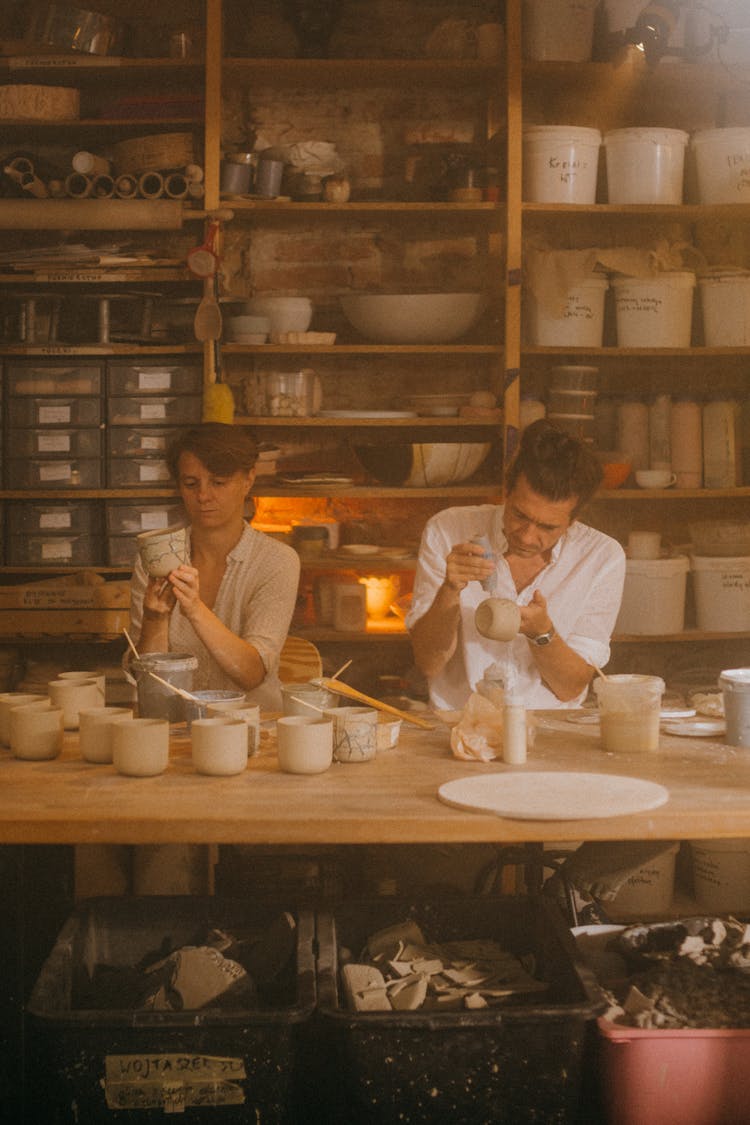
[
  {"x": 185, "y": 587},
  {"x": 158, "y": 598}
]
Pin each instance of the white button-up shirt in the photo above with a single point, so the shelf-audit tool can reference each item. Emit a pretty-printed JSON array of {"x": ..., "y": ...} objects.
[{"x": 582, "y": 585}]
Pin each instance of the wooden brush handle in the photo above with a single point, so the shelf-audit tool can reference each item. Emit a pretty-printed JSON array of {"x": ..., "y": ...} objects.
[{"x": 352, "y": 693}]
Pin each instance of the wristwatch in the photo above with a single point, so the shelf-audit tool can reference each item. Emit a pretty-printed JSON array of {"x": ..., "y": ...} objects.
[{"x": 544, "y": 638}]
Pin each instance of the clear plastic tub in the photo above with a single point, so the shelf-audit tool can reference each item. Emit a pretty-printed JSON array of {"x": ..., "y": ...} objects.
[
  {"x": 293, "y": 394},
  {"x": 157, "y": 410},
  {"x": 140, "y": 441},
  {"x": 152, "y": 378},
  {"x": 65, "y": 516},
  {"x": 85, "y": 410},
  {"x": 122, "y": 550},
  {"x": 130, "y": 517},
  {"x": 54, "y": 379},
  {"x": 53, "y": 550},
  {"x": 127, "y": 472},
  {"x": 63, "y": 473},
  {"x": 54, "y": 443}
]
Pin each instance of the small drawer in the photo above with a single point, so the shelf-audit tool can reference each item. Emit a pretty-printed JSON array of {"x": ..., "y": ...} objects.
[
  {"x": 54, "y": 379},
  {"x": 62, "y": 473},
  {"x": 155, "y": 379},
  {"x": 154, "y": 410},
  {"x": 127, "y": 472},
  {"x": 71, "y": 517},
  {"x": 54, "y": 443},
  {"x": 121, "y": 550},
  {"x": 140, "y": 441},
  {"x": 127, "y": 518},
  {"x": 53, "y": 550},
  {"x": 47, "y": 411}
]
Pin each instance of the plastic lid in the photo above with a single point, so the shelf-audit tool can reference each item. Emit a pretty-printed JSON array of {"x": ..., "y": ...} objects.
[
  {"x": 581, "y": 133},
  {"x": 658, "y": 568},
  {"x": 672, "y": 277},
  {"x": 738, "y": 133},
  {"x": 654, "y": 135}
]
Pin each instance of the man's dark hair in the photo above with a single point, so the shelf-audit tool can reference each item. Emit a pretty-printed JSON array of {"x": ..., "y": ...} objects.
[
  {"x": 222, "y": 448},
  {"x": 556, "y": 465}
]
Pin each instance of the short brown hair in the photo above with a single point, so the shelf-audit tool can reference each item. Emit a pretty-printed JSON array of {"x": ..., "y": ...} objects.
[
  {"x": 556, "y": 465},
  {"x": 222, "y": 448}
]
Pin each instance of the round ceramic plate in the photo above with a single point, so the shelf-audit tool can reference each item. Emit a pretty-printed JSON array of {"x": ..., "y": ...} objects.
[
  {"x": 367, "y": 414},
  {"x": 697, "y": 728},
  {"x": 554, "y": 796},
  {"x": 667, "y": 714}
]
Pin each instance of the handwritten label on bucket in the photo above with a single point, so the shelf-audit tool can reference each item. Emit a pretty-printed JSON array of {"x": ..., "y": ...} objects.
[{"x": 172, "y": 1082}]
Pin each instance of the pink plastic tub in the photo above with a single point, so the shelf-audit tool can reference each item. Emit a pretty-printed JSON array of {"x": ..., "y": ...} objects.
[{"x": 681, "y": 1077}]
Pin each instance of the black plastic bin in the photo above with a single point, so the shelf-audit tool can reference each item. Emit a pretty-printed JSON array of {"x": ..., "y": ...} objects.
[
  {"x": 211, "y": 1065},
  {"x": 510, "y": 1065}
]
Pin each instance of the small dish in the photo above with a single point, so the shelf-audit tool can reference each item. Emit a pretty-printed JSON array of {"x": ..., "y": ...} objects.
[
  {"x": 249, "y": 338},
  {"x": 696, "y": 728},
  {"x": 667, "y": 714},
  {"x": 359, "y": 549}
]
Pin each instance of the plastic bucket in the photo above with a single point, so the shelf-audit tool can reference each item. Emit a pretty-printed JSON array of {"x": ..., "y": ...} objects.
[
  {"x": 645, "y": 165},
  {"x": 721, "y": 874},
  {"x": 735, "y": 688},
  {"x": 722, "y": 593},
  {"x": 649, "y": 890},
  {"x": 155, "y": 700},
  {"x": 581, "y": 323},
  {"x": 653, "y": 597},
  {"x": 629, "y": 712},
  {"x": 725, "y": 302},
  {"x": 558, "y": 29},
  {"x": 654, "y": 312},
  {"x": 560, "y": 163},
  {"x": 722, "y": 164}
]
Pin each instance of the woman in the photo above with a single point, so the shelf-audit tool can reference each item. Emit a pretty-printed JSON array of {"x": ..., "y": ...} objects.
[{"x": 232, "y": 604}]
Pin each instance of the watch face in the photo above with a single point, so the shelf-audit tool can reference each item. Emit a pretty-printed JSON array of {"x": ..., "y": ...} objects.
[{"x": 543, "y": 638}]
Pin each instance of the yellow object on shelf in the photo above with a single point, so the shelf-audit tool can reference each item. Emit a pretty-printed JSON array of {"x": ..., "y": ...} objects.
[{"x": 218, "y": 403}]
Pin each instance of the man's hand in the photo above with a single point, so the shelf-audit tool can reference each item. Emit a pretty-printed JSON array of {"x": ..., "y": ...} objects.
[
  {"x": 466, "y": 563},
  {"x": 534, "y": 617}
]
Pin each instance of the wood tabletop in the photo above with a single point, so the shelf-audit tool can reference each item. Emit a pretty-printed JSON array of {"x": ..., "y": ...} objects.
[{"x": 392, "y": 799}]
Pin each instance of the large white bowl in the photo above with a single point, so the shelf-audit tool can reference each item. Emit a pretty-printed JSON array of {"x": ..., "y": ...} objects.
[
  {"x": 286, "y": 314},
  {"x": 412, "y": 318},
  {"x": 423, "y": 464}
]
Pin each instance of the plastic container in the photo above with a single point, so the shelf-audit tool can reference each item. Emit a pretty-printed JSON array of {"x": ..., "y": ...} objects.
[
  {"x": 725, "y": 302},
  {"x": 141, "y": 379},
  {"x": 560, "y": 163},
  {"x": 654, "y": 312},
  {"x": 653, "y": 598},
  {"x": 581, "y": 322},
  {"x": 53, "y": 550},
  {"x": 54, "y": 473},
  {"x": 735, "y": 690},
  {"x": 721, "y": 875},
  {"x": 227, "y": 698},
  {"x": 722, "y": 455},
  {"x": 649, "y": 891},
  {"x": 558, "y": 29},
  {"x": 85, "y": 410},
  {"x": 720, "y": 538},
  {"x": 574, "y": 377},
  {"x": 580, "y": 426},
  {"x": 155, "y": 701},
  {"x": 571, "y": 402},
  {"x": 158, "y": 410},
  {"x": 54, "y": 443},
  {"x": 722, "y": 593},
  {"x": 140, "y": 441},
  {"x": 686, "y": 443},
  {"x": 226, "y": 1065},
  {"x": 132, "y": 517},
  {"x": 722, "y": 163},
  {"x": 629, "y": 712},
  {"x": 645, "y": 165},
  {"x": 294, "y": 394},
  {"x": 516, "y": 1064},
  {"x": 54, "y": 379},
  {"x": 66, "y": 516},
  {"x": 134, "y": 472}
]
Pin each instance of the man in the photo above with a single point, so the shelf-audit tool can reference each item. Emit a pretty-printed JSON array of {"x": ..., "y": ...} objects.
[{"x": 566, "y": 577}]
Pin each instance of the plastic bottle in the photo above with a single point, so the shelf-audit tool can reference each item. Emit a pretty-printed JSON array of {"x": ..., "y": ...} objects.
[
  {"x": 721, "y": 443},
  {"x": 514, "y": 726},
  {"x": 659, "y": 432},
  {"x": 487, "y": 584},
  {"x": 632, "y": 431},
  {"x": 686, "y": 439}
]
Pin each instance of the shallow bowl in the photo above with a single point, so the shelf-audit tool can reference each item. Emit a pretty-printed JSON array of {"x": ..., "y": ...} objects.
[
  {"x": 412, "y": 318},
  {"x": 422, "y": 464}
]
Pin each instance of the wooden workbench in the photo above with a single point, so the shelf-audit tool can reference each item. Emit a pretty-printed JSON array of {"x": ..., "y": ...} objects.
[{"x": 390, "y": 800}]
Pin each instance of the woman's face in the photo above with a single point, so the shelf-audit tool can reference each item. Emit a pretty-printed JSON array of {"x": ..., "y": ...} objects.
[{"x": 211, "y": 500}]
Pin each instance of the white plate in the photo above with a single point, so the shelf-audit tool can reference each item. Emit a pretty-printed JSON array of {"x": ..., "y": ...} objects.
[
  {"x": 697, "y": 728},
  {"x": 669, "y": 713},
  {"x": 367, "y": 414},
  {"x": 554, "y": 796}
]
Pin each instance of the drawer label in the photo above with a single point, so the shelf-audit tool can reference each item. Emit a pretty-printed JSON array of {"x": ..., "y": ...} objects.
[
  {"x": 53, "y": 443},
  {"x": 50, "y": 414},
  {"x": 151, "y": 410},
  {"x": 154, "y": 380},
  {"x": 172, "y": 1082}
]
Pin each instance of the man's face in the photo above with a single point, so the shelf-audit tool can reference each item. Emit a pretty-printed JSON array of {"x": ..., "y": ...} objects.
[{"x": 533, "y": 524}]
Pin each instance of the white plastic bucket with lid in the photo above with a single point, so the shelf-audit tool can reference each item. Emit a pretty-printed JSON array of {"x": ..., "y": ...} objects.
[
  {"x": 558, "y": 29},
  {"x": 653, "y": 598},
  {"x": 560, "y": 163},
  {"x": 645, "y": 165},
  {"x": 721, "y": 874},
  {"x": 581, "y": 323},
  {"x": 722, "y": 593},
  {"x": 722, "y": 164},
  {"x": 649, "y": 890},
  {"x": 654, "y": 312},
  {"x": 735, "y": 690},
  {"x": 725, "y": 302}
]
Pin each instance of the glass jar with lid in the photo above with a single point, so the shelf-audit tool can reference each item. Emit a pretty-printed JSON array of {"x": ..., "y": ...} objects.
[{"x": 292, "y": 394}]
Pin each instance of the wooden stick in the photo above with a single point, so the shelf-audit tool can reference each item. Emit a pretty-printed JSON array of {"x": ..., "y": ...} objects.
[
  {"x": 352, "y": 693},
  {"x": 178, "y": 690},
  {"x": 133, "y": 649},
  {"x": 343, "y": 668}
]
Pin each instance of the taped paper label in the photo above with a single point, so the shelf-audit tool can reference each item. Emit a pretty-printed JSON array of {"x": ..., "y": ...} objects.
[{"x": 172, "y": 1082}]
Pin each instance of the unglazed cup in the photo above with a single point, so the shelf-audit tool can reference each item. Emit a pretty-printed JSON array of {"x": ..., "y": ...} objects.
[
  {"x": 499, "y": 619},
  {"x": 250, "y": 715},
  {"x": 162, "y": 550},
  {"x": 95, "y": 732},
  {"x": 140, "y": 747},
  {"x": 355, "y": 733},
  {"x": 36, "y": 731},
  {"x": 9, "y": 700},
  {"x": 74, "y": 696},
  {"x": 304, "y": 743},
  {"x": 219, "y": 745}
]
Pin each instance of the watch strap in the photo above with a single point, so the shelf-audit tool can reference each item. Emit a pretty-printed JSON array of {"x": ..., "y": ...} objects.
[{"x": 544, "y": 638}]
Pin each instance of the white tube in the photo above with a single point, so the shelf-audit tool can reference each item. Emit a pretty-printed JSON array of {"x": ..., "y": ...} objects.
[
  {"x": 90, "y": 165},
  {"x": 151, "y": 185}
]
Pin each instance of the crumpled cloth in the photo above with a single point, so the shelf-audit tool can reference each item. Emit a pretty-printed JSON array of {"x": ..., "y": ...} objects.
[
  {"x": 317, "y": 158},
  {"x": 549, "y": 275}
]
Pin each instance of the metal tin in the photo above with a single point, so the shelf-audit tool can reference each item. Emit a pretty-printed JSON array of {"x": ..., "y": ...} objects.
[{"x": 76, "y": 29}]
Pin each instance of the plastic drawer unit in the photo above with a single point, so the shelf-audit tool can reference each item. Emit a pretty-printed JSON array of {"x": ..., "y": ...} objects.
[
  {"x": 65, "y": 472},
  {"x": 24, "y": 379},
  {"x": 53, "y": 550},
  {"x": 152, "y": 378},
  {"x": 140, "y": 441},
  {"x": 138, "y": 472},
  {"x": 214, "y": 1064},
  {"x": 76, "y": 517},
  {"x": 154, "y": 410},
  {"x": 58, "y": 443},
  {"x": 38, "y": 411}
]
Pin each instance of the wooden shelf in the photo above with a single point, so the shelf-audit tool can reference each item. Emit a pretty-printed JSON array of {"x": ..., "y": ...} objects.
[
  {"x": 603, "y": 353},
  {"x": 363, "y": 349},
  {"x": 111, "y": 274},
  {"x": 389, "y": 629},
  {"x": 97, "y": 67},
  {"x": 687, "y": 637},
  {"x": 363, "y": 72},
  {"x": 100, "y": 349},
  {"x": 673, "y": 493},
  {"x": 453, "y": 423},
  {"x": 689, "y": 212},
  {"x": 247, "y": 207},
  {"x": 53, "y": 494},
  {"x": 488, "y": 491}
]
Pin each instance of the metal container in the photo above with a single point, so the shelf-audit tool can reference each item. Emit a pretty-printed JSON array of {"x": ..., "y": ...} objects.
[{"x": 75, "y": 29}]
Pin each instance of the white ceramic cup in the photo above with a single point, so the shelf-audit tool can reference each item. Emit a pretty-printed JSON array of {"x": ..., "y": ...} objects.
[
  {"x": 655, "y": 478},
  {"x": 219, "y": 745},
  {"x": 644, "y": 545},
  {"x": 162, "y": 550},
  {"x": 250, "y": 715},
  {"x": 388, "y": 732},
  {"x": 355, "y": 733},
  {"x": 498, "y": 618},
  {"x": 100, "y": 678},
  {"x": 74, "y": 696},
  {"x": 140, "y": 747},
  {"x": 304, "y": 744},
  {"x": 36, "y": 731},
  {"x": 9, "y": 700},
  {"x": 95, "y": 732}
]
